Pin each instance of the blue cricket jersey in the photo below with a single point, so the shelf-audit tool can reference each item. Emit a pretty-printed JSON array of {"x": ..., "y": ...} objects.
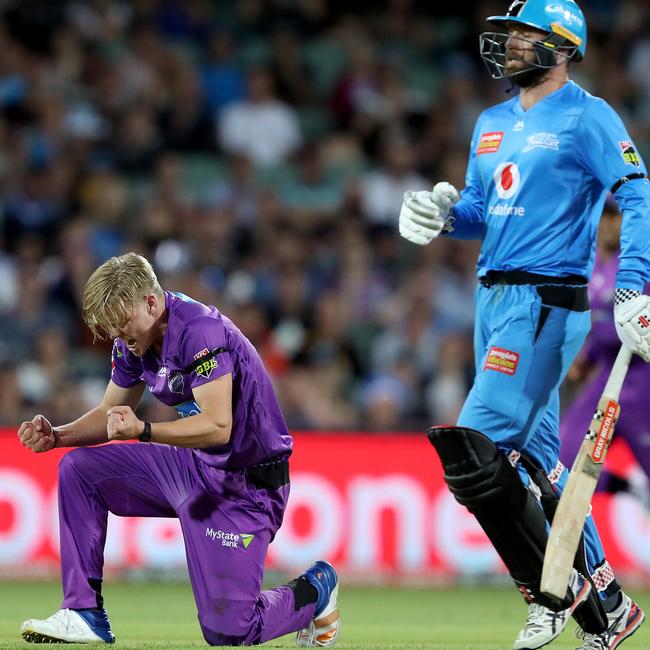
[{"x": 537, "y": 181}]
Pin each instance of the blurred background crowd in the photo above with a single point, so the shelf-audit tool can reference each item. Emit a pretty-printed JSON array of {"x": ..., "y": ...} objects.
[{"x": 257, "y": 152}]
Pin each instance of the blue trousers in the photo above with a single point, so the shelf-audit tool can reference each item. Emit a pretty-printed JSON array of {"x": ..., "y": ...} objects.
[{"x": 522, "y": 353}]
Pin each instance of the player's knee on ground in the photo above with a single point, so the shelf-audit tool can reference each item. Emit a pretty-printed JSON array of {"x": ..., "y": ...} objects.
[
  {"x": 481, "y": 478},
  {"x": 230, "y": 622}
]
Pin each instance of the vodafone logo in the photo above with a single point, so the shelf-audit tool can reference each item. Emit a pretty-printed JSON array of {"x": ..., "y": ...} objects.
[{"x": 507, "y": 180}]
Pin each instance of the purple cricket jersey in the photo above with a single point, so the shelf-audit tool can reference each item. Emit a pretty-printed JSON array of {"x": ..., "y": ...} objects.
[{"x": 196, "y": 331}]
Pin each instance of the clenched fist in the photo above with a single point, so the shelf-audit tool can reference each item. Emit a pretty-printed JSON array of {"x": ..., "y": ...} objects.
[
  {"x": 123, "y": 424},
  {"x": 37, "y": 434},
  {"x": 424, "y": 215}
]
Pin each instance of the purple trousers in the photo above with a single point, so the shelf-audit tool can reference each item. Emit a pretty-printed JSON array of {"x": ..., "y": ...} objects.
[
  {"x": 227, "y": 525},
  {"x": 633, "y": 425}
]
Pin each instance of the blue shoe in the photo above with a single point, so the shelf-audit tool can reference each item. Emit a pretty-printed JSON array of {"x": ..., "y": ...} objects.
[
  {"x": 69, "y": 626},
  {"x": 322, "y": 576}
]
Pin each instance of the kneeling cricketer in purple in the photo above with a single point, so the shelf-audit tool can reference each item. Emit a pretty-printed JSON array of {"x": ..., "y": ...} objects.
[{"x": 230, "y": 499}]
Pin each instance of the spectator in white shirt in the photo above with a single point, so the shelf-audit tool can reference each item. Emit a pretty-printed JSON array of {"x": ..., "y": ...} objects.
[{"x": 260, "y": 127}]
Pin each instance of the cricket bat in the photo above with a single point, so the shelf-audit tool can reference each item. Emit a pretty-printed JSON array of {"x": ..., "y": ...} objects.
[{"x": 575, "y": 501}]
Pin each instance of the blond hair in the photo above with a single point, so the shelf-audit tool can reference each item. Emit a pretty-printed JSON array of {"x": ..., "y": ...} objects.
[{"x": 113, "y": 290}]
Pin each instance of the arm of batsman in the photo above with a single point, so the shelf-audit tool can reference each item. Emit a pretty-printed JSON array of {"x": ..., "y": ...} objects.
[
  {"x": 632, "y": 318},
  {"x": 424, "y": 215}
]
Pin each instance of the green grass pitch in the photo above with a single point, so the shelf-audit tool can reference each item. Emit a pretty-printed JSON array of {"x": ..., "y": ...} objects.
[{"x": 162, "y": 615}]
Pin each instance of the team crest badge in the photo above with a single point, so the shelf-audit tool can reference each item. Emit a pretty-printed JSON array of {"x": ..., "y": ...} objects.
[{"x": 176, "y": 383}]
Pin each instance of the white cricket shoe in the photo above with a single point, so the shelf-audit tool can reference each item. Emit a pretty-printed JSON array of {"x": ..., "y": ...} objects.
[
  {"x": 322, "y": 576},
  {"x": 69, "y": 626},
  {"x": 544, "y": 625},
  {"x": 624, "y": 621}
]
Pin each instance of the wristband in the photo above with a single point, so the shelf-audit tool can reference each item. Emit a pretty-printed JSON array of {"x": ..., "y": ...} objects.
[{"x": 145, "y": 436}]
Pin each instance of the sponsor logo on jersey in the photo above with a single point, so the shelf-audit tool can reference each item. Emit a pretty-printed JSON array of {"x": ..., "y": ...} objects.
[
  {"x": 232, "y": 540},
  {"x": 501, "y": 360},
  {"x": 519, "y": 126},
  {"x": 201, "y": 353},
  {"x": 507, "y": 180},
  {"x": 507, "y": 210},
  {"x": 162, "y": 371},
  {"x": 630, "y": 156},
  {"x": 489, "y": 142},
  {"x": 541, "y": 141},
  {"x": 176, "y": 383},
  {"x": 205, "y": 369}
]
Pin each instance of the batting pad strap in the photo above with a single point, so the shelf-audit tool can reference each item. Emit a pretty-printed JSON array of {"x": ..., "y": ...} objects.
[
  {"x": 603, "y": 576},
  {"x": 483, "y": 480}
]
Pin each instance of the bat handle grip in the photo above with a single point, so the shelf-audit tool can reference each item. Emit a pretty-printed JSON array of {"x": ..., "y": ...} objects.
[{"x": 617, "y": 375}]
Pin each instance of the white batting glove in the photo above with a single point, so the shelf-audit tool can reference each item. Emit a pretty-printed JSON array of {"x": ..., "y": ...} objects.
[
  {"x": 424, "y": 215},
  {"x": 632, "y": 318},
  {"x": 445, "y": 196}
]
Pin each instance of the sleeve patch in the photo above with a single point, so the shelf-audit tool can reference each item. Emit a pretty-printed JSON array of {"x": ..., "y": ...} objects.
[
  {"x": 205, "y": 369},
  {"x": 201, "y": 353},
  {"x": 630, "y": 156}
]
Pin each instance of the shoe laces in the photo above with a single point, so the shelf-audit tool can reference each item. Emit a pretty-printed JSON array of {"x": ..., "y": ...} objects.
[
  {"x": 541, "y": 617},
  {"x": 592, "y": 641},
  {"x": 536, "y": 614}
]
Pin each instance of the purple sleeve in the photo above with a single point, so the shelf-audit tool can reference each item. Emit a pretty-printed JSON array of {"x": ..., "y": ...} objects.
[
  {"x": 126, "y": 368},
  {"x": 200, "y": 339}
]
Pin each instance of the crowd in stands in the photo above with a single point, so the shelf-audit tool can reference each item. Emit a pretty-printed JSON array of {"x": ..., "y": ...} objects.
[{"x": 257, "y": 152}]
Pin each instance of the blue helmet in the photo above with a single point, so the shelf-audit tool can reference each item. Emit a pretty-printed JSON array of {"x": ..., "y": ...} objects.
[{"x": 561, "y": 17}]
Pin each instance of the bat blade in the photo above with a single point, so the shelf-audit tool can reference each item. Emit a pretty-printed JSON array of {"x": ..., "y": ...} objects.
[{"x": 575, "y": 502}]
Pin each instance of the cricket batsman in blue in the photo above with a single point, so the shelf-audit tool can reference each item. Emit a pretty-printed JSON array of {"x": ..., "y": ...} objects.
[
  {"x": 221, "y": 468},
  {"x": 540, "y": 166}
]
